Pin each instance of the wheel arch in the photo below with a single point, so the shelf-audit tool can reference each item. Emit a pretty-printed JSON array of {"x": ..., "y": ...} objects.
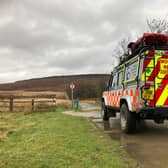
[
  {"x": 127, "y": 101},
  {"x": 103, "y": 99}
]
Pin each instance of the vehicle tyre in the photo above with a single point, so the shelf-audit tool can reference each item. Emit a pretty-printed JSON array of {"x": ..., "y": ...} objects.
[
  {"x": 104, "y": 112},
  {"x": 127, "y": 119}
]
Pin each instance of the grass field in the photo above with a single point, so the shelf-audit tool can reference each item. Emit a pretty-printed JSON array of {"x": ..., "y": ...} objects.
[{"x": 52, "y": 139}]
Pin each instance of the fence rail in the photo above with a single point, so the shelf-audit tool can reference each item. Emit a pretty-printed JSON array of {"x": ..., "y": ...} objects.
[{"x": 27, "y": 104}]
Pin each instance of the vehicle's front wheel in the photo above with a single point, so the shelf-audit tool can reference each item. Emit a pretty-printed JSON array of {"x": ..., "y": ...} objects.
[
  {"x": 104, "y": 112},
  {"x": 127, "y": 119}
]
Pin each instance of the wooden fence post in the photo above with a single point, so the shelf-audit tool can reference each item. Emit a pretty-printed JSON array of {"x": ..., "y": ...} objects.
[
  {"x": 32, "y": 104},
  {"x": 11, "y": 104}
]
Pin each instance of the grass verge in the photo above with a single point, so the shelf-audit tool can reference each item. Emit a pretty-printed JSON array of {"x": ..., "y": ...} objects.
[{"x": 53, "y": 140}]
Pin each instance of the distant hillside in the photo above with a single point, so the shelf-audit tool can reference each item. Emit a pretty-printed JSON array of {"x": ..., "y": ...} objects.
[{"x": 85, "y": 84}]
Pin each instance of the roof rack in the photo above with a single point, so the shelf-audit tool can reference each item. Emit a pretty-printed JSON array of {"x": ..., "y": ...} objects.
[{"x": 146, "y": 41}]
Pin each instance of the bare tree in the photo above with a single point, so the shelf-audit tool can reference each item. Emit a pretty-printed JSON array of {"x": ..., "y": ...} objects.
[
  {"x": 121, "y": 48},
  {"x": 155, "y": 25},
  {"x": 158, "y": 25}
]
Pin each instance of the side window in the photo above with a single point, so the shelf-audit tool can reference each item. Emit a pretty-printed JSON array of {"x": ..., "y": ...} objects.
[
  {"x": 120, "y": 78},
  {"x": 131, "y": 70},
  {"x": 114, "y": 83}
]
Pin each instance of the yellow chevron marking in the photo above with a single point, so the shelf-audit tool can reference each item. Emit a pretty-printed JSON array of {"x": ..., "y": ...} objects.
[
  {"x": 149, "y": 65},
  {"x": 158, "y": 55},
  {"x": 162, "y": 97},
  {"x": 158, "y": 80}
]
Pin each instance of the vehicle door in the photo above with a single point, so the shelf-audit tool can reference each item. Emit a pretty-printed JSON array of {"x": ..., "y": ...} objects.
[
  {"x": 112, "y": 89},
  {"x": 155, "y": 77},
  {"x": 119, "y": 87}
]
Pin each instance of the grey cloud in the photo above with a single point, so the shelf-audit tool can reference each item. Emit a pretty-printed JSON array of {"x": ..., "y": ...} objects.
[{"x": 50, "y": 37}]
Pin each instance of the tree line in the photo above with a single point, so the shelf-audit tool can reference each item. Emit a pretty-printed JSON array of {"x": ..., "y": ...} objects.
[{"x": 87, "y": 90}]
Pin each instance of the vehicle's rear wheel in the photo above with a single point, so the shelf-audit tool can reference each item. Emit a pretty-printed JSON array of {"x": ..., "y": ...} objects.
[
  {"x": 104, "y": 112},
  {"x": 127, "y": 119}
]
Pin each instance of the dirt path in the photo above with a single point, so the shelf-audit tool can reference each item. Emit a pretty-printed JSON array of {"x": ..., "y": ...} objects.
[
  {"x": 89, "y": 110},
  {"x": 89, "y": 107}
]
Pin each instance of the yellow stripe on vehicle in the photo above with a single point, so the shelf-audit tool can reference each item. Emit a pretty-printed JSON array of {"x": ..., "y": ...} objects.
[
  {"x": 157, "y": 80},
  {"x": 157, "y": 56},
  {"x": 149, "y": 65},
  {"x": 162, "y": 97}
]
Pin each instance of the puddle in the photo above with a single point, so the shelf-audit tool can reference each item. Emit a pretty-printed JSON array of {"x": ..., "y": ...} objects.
[{"x": 149, "y": 146}]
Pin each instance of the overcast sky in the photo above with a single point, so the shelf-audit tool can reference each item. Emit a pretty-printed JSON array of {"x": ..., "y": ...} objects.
[{"x": 41, "y": 38}]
